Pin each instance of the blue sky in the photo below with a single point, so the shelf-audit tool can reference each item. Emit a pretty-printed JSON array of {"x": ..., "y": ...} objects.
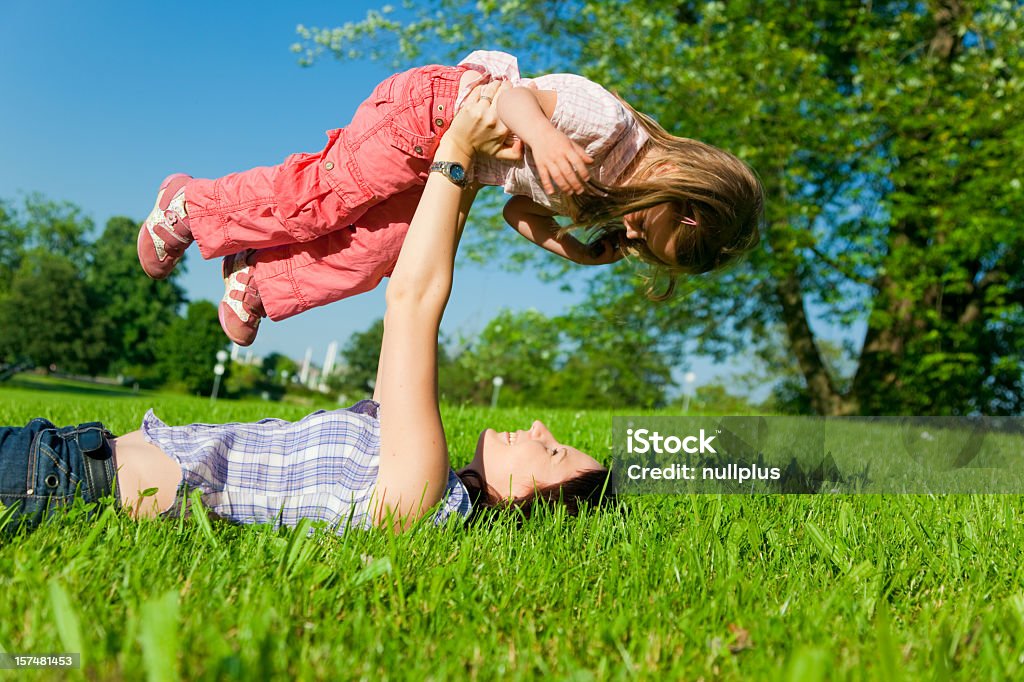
[{"x": 100, "y": 100}]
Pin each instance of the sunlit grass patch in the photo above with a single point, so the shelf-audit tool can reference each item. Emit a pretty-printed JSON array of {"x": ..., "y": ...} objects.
[{"x": 682, "y": 587}]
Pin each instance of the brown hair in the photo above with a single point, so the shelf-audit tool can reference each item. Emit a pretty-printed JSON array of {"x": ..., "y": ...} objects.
[
  {"x": 594, "y": 488},
  {"x": 718, "y": 190}
]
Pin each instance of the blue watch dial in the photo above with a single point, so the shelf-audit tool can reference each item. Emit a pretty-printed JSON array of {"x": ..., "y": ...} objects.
[{"x": 458, "y": 173}]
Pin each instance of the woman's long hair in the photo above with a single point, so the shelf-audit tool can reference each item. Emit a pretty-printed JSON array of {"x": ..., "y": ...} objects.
[{"x": 593, "y": 488}]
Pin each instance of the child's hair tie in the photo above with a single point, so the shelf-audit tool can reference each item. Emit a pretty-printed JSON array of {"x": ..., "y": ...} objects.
[{"x": 689, "y": 221}]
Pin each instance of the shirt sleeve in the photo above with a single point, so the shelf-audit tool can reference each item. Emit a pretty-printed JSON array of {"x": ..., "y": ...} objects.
[
  {"x": 596, "y": 120},
  {"x": 497, "y": 65},
  {"x": 455, "y": 501}
]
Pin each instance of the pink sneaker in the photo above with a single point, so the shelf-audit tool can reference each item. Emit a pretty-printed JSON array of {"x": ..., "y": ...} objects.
[
  {"x": 165, "y": 234},
  {"x": 241, "y": 309}
]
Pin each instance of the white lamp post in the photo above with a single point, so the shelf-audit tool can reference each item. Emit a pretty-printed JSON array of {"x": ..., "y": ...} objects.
[
  {"x": 497, "y": 382},
  {"x": 218, "y": 372},
  {"x": 689, "y": 378}
]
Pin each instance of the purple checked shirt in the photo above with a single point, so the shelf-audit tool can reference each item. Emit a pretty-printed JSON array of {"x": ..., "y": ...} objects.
[{"x": 322, "y": 467}]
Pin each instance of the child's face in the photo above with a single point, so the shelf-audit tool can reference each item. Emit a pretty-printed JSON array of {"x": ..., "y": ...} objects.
[{"x": 655, "y": 226}]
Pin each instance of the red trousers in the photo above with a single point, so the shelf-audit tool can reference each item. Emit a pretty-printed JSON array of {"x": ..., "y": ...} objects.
[{"x": 330, "y": 225}]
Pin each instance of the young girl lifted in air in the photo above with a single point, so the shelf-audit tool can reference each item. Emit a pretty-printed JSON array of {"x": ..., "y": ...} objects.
[{"x": 322, "y": 227}]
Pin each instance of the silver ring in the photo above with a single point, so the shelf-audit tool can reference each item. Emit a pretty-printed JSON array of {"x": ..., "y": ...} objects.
[{"x": 486, "y": 98}]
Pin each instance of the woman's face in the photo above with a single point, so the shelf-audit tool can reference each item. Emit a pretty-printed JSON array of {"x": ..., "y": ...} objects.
[{"x": 514, "y": 463}]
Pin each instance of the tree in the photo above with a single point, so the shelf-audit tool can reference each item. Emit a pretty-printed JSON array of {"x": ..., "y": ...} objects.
[
  {"x": 46, "y": 315},
  {"x": 577, "y": 360},
  {"x": 359, "y": 356},
  {"x": 187, "y": 351},
  {"x": 133, "y": 310},
  {"x": 277, "y": 366},
  {"x": 57, "y": 227},
  {"x": 12, "y": 239},
  {"x": 523, "y": 348},
  {"x": 609, "y": 362},
  {"x": 718, "y": 399},
  {"x": 887, "y": 135}
]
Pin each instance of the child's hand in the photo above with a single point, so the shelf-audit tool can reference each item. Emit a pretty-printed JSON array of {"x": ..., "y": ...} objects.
[
  {"x": 603, "y": 251},
  {"x": 561, "y": 163},
  {"x": 512, "y": 149},
  {"x": 600, "y": 252},
  {"x": 537, "y": 223}
]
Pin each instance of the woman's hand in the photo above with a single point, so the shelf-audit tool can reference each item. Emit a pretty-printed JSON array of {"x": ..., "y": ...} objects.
[{"x": 476, "y": 128}]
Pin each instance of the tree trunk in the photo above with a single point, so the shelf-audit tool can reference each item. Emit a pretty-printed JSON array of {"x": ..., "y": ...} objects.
[{"x": 825, "y": 399}]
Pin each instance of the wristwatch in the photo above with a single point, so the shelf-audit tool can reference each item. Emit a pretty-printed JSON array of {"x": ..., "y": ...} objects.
[{"x": 452, "y": 170}]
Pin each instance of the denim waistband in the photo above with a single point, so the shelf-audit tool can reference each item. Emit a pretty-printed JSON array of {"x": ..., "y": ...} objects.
[
  {"x": 98, "y": 473},
  {"x": 98, "y": 455}
]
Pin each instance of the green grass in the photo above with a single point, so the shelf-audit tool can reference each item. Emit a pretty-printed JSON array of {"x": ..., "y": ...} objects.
[{"x": 686, "y": 587}]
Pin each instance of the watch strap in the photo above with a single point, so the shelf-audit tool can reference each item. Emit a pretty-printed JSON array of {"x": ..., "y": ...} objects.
[{"x": 445, "y": 168}]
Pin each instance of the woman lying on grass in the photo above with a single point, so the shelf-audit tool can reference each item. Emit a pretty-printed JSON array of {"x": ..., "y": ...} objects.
[{"x": 380, "y": 462}]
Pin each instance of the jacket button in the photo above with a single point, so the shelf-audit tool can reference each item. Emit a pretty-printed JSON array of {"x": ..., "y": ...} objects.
[
  {"x": 440, "y": 107},
  {"x": 418, "y": 149},
  {"x": 439, "y": 122},
  {"x": 329, "y": 165}
]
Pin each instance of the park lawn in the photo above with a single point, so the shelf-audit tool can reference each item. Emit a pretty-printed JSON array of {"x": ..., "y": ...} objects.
[{"x": 686, "y": 587}]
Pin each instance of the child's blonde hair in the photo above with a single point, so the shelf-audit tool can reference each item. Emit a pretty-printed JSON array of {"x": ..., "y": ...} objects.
[{"x": 712, "y": 187}]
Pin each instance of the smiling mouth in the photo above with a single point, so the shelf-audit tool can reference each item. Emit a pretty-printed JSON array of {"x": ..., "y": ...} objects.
[{"x": 509, "y": 437}]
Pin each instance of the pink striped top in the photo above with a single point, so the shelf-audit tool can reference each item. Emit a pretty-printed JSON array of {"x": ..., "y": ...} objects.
[{"x": 586, "y": 112}]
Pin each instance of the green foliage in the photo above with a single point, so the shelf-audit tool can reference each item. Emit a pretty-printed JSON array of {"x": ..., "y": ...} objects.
[
  {"x": 576, "y": 360},
  {"x": 133, "y": 310},
  {"x": 83, "y": 306},
  {"x": 358, "y": 373},
  {"x": 187, "y": 351},
  {"x": 75, "y": 305},
  {"x": 887, "y": 135},
  {"x": 610, "y": 362},
  {"x": 718, "y": 399},
  {"x": 523, "y": 348},
  {"x": 251, "y": 381},
  {"x": 280, "y": 366},
  {"x": 12, "y": 239},
  {"x": 47, "y": 315},
  {"x": 57, "y": 227},
  {"x": 581, "y": 359},
  {"x": 269, "y": 378},
  {"x": 45, "y": 303}
]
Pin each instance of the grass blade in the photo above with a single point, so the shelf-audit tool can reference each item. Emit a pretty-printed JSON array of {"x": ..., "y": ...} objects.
[
  {"x": 68, "y": 625},
  {"x": 158, "y": 634},
  {"x": 201, "y": 518}
]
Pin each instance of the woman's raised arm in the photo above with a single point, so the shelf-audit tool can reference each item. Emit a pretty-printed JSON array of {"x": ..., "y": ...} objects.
[{"x": 414, "y": 454}]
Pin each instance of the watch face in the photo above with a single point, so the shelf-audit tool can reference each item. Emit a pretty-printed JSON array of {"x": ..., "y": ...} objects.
[{"x": 458, "y": 172}]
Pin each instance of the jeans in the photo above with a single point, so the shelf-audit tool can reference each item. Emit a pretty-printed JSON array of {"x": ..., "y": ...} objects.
[{"x": 43, "y": 467}]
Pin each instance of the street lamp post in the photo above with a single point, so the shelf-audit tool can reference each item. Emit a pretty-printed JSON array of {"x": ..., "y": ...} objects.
[
  {"x": 218, "y": 372},
  {"x": 688, "y": 390},
  {"x": 497, "y": 382}
]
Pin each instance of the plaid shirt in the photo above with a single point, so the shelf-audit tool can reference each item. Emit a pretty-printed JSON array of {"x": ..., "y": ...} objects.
[
  {"x": 590, "y": 115},
  {"x": 322, "y": 467}
]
